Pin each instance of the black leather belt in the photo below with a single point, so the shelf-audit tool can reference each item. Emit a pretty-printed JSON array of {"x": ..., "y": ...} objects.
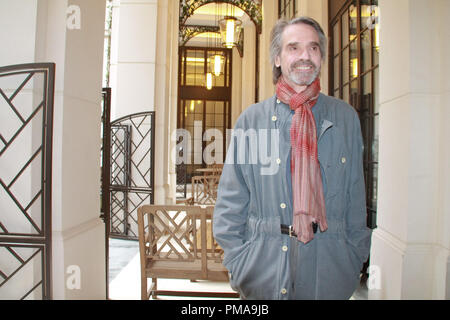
[{"x": 285, "y": 229}]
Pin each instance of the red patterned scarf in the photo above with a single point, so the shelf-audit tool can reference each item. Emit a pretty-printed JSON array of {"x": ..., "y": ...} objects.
[{"x": 307, "y": 189}]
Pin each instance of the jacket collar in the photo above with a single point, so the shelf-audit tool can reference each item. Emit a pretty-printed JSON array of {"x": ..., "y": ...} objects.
[{"x": 323, "y": 116}]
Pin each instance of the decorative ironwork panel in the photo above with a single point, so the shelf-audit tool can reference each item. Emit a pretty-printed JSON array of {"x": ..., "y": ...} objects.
[
  {"x": 252, "y": 8},
  {"x": 132, "y": 171},
  {"x": 26, "y": 117}
]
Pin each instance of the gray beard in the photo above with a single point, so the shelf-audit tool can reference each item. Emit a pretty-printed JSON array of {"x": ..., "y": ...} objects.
[{"x": 300, "y": 80}]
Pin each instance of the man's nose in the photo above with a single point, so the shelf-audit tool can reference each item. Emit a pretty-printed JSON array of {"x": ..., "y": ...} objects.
[{"x": 304, "y": 54}]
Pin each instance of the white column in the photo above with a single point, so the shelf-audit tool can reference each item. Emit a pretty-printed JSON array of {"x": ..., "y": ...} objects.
[
  {"x": 45, "y": 31},
  {"x": 133, "y": 56},
  {"x": 236, "y": 87},
  {"x": 18, "y": 34},
  {"x": 78, "y": 233},
  {"x": 43, "y": 35},
  {"x": 248, "y": 65},
  {"x": 174, "y": 7},
  {"x": 165, "y": 101},
  {"x": 269, "y": 18},
  {"x": 410, "y": 247}
]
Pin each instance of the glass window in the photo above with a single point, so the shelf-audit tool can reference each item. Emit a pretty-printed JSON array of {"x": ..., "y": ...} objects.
[
  {"x": 336, "y": 72},
  {"x": 287, "y": 9},
  {"x": 197, "y": 111},
  {"x": 345, "y": 66},
  {"x": 355, "y": 78},
  {"x": 345, "y": 30},
  {"x": 336, "y": 44},
  {"x": 366, "y": 50}
]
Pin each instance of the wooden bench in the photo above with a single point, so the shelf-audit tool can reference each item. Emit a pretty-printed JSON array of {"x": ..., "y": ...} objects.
[{"x": 173, "y": 243}]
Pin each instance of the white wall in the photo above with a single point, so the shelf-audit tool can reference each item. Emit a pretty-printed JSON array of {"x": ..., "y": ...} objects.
[{"x": 411, "y": 244}]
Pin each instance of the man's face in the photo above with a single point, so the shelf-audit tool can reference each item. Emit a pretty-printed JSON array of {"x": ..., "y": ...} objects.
[{"x": 300, "y": 57}]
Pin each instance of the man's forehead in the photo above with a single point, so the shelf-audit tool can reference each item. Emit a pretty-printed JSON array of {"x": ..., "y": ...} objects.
[{"x": 300, "y": 33}]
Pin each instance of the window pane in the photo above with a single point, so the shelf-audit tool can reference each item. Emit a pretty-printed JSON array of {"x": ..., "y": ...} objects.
[
  {"x": 354, "y": 93},
  {"x": 353, "y": 21},
  {"x": 345, "y": 66},
  {"x": 367, "y": 93},
  {"x": 365, "y": 13},
  {"x": 354, "y": 59},
  {"x": 195, "y": 75},
  {"x": 375, "y": 139},
  {"x": 376, "y": 106},
  {"x": 366, "y": 49},
  {"x": 336, "y": 38},
  {"x": 345, "y": 36},
  {"x": 336, "y": 93},
  {"x": 336, "y": 72},
  {"x": 345, "y": 94},
  {"x": 219, "y": 107}
]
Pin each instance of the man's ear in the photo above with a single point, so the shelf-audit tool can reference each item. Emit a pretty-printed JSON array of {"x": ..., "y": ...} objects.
[{"x": 277, "y": 61}]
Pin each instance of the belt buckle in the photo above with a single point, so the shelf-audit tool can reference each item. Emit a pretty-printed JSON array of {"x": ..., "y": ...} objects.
[{"x": 291, "y": 231}]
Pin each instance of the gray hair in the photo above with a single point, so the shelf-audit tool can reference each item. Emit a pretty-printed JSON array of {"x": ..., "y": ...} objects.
[{"x": 276, "y": 40}]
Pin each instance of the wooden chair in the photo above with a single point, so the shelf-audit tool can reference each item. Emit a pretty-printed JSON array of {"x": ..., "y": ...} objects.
[
  {"x": 173, "y": 243},
  {"x": 204, "y": 190}
]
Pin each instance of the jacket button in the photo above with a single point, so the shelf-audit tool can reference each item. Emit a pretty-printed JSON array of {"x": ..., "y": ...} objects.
[
  {"x": 284, "y": 248},
  {"x": 343, "y": 160},
  {"x": 278, "y": 100},
  {"x": 274, "y": 118},
  {"x": 278, "y": 161},
  {"x": 283, "y": 291},
  {"x": 282, "y": 205}
]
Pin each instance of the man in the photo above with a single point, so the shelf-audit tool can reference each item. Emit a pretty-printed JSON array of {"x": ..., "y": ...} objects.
[{"x": 300, "y": 231}]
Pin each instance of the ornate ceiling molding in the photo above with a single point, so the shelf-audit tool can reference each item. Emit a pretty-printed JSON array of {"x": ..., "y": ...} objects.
[
  {"x": 188, "y": 32},
  {"x": 251, "y": 7}
]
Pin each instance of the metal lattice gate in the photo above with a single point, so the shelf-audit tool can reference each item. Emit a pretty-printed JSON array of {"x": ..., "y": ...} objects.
[
  {"x": 132, "y": 171},
  {"x": 26, "y": 122}
]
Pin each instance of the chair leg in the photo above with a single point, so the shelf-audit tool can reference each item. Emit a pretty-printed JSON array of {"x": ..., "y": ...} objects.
[
  {"x": 144, "y": 295},
  {"x": 154, "y": 287}
]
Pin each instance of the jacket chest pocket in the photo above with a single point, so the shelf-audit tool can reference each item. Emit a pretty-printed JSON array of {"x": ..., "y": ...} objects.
[{"x": 334, "y": 158}]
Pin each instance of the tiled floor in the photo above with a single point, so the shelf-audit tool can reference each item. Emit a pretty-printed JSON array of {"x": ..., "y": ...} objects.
[{"x": 124, "y": 275}]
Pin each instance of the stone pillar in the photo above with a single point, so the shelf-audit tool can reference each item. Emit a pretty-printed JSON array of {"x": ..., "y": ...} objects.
[
  {"x": 70, "y": 34},
  {"x": 172, "y": 54},
  {"x": 166, "y": 85},
  {"x": 133, "y": 57},
  {"x": 248, "y": 65},
  {"x": 236, "y": 87},
  {"x": 269, "y": 18},
  {"x": 410, "y": 247}
]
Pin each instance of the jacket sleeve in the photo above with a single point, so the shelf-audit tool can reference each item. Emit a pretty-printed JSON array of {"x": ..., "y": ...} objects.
[
  {"x": 231, "y": 209},
  {"x": 357, "y": 233}
]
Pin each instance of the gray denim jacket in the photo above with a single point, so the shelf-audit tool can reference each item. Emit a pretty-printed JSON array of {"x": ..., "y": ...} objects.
[{"x": 255, "y": 197}]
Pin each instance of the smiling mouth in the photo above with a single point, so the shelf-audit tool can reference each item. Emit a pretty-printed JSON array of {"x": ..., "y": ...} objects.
[{"x": 304, "y": 68}]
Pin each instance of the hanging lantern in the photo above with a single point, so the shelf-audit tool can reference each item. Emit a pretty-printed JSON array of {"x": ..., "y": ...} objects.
[
  {"x": 209, "y": 81},
  {"x": 217, "y": 63},
  {"x": 230, "y": 27}
]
